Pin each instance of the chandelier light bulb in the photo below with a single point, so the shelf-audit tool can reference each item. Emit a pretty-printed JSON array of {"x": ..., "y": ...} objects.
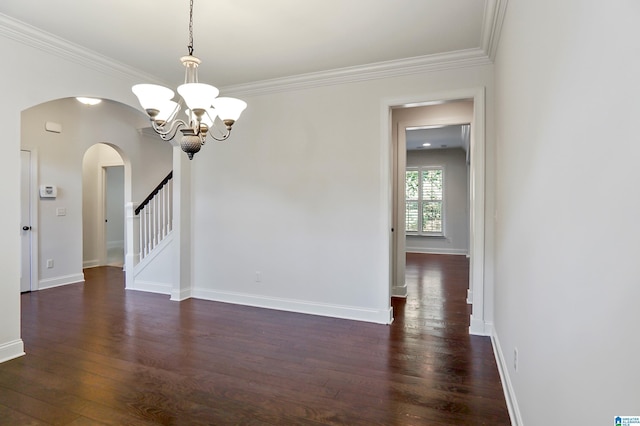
[{"x": 88, "y": 101}]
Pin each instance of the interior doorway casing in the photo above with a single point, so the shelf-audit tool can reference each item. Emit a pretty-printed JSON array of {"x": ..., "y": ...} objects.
[
  {"x": 389, "y": 157},
  {"x": 113, "y": 215},
  {"x": 32, "y": 219}
]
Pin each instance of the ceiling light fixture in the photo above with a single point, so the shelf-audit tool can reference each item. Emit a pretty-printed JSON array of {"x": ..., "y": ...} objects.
[
  {"x": 205, "y": 111},
  {"x": 88, "y": 101},
  {"x": 426, "y": 144}
]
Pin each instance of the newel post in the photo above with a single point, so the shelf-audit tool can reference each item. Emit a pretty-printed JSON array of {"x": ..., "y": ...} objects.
[{"x": 132, "y": 244}]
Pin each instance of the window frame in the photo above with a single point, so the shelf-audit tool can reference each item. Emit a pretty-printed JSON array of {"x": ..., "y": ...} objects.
[{"x": 421, "y": 202}]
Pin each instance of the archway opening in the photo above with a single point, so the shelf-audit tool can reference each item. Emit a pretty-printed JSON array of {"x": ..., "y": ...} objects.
[{"x": 103, "y": 201}]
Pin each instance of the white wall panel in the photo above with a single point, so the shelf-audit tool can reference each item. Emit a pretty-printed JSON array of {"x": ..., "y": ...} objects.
[{"x": 567, "y": 270}]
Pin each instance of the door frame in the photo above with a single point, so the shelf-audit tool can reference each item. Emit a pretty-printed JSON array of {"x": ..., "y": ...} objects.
[
  {"x": 389, "y": 157},
  {"x": 102, "y": 208},
  {"x": 104, "y": 251},
  {"x": 33, "y": 217}
]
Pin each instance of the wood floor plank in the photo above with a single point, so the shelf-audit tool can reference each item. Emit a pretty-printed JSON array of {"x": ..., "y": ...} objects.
[
  {"x": 99, "y": 354},
  {"x": 12, "y": 417}
]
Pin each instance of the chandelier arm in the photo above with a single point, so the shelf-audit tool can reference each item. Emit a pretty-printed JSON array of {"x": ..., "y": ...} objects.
[
  {"x": 176, "y": 109},
  {"x": 212, "y": 119},
  {"x": 223, "y": 138},
  {"x": 216, "y": 127},
  {"x": 171, "y": 132}
]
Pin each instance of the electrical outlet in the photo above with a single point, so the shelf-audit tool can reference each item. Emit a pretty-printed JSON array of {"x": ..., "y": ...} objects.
[
  {"x": 49, "y": 263},
  {"x": 515, "y": 359},
  {"x": 258, "y": 276}
]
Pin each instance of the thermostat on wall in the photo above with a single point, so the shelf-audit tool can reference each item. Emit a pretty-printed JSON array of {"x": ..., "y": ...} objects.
[{"x": 48, "y": 191}]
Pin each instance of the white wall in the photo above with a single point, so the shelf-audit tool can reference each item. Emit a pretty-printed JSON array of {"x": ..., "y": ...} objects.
[
  {"x": 567, "y": 269},
  {"x": 301, "y": 195},
  {"x": 455, "y": 206}
]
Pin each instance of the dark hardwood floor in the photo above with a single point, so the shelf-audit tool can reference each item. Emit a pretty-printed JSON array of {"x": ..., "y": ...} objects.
[{"x": 97, "y": 354}]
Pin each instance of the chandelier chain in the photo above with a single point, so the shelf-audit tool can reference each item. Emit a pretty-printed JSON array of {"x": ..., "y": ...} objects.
[{"x": 190, "y": 46}]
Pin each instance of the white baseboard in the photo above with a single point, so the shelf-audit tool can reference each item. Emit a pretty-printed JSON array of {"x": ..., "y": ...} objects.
[
  {"x": 91, "y": 263},
  {"x": 151, "y": 287},
  {"x": 421, "y": 250},
  {"x": 11, "y": 350},
  {"x": 479, "y": 327},
  {"x": 399, "y": 291},
  {"x": 384, "y": 316},
  {"x": 182, "y": 295},
  {"x": 59, "y": 281},
  {"x": 507, "y": 387}
]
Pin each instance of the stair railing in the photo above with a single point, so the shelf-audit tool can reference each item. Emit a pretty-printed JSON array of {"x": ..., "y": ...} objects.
[{"x": 156, "y": 216}]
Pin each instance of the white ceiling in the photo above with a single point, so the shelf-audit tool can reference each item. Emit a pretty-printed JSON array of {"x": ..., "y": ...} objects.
[
  {"x": 439, "y": 137},
  {"x": 243, "y": 41}
]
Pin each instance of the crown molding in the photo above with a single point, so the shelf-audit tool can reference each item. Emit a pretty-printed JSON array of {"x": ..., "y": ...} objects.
[
  {"x": 420, "y": 64},
  {"x": 36, "y": 38},
  {"x": 492, "y": 26}
]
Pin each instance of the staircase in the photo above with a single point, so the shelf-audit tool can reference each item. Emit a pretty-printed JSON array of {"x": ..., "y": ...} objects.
[{"x": 148, "y": 262}]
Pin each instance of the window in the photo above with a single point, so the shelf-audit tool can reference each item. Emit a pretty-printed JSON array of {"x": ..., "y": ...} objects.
[{"x": 423, "y": 196}]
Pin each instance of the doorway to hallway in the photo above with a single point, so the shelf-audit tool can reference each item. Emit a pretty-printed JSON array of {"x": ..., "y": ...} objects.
[{"x": 479, "y": 323}]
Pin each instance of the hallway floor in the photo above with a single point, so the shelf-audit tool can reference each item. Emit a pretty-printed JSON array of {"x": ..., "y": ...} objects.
[{"x": 97, "y": 354}]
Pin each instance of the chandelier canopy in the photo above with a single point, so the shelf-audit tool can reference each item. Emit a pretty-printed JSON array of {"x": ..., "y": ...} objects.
[{"x": 205, "y": 112}]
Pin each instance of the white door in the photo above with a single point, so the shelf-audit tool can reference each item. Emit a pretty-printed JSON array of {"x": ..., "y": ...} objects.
[{"x": 25, "y": 220}]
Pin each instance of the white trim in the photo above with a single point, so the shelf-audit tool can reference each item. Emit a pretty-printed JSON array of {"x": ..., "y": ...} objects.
[
  {"x": 60, "y": 281},
  {"x": 299, "y": 306},
  {"x": 31, "y": 36},
  {"x": 11, "y": 350},
  {"x": 151, "y": 287},
  {"x": 492, "y": 26},
  {"x": 181, "y": 294},
  {"x": 457, "y": 252},
  {"x": 416, "y": 65},
  {"x": 35, "y": 207},
  {"x": 469, "y": 294},
  {"x": 507, "y": 386},
  {"x": 478, "y": 327},
  {"x": 400, "y": 291},
  {"x": 477, "y": 192},
  {"x": 101, "y": 234},
  {"x": 93, "y": 263}
]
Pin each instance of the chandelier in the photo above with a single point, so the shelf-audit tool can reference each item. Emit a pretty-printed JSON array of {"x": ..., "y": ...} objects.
[{"x": 205, "y": 112}]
